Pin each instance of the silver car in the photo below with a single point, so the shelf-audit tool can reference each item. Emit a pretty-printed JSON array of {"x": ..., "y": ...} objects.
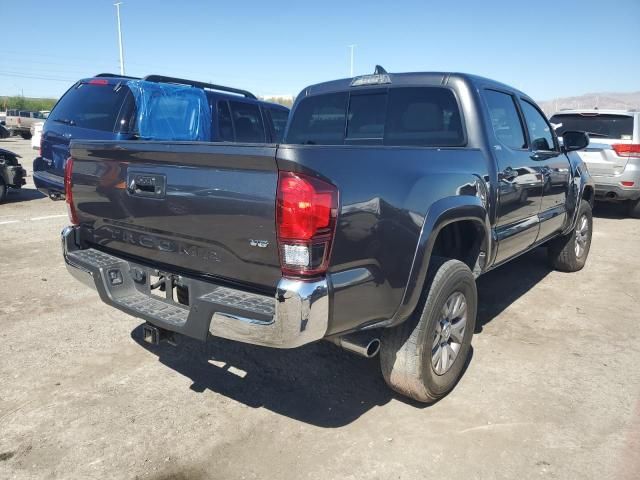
[{"x": 613, "y": 155}]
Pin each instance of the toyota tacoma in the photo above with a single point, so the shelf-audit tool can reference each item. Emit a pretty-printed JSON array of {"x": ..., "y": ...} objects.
[{"x": 367, "y": 226}]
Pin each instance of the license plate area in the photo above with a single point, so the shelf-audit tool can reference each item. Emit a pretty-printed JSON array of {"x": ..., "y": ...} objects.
[{"x": 169, "y": 287}]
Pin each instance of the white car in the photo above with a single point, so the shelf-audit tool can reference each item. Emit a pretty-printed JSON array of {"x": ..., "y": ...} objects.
[
  {"x": 613, "y": 154},
  {"x": 36, "y": 133}
]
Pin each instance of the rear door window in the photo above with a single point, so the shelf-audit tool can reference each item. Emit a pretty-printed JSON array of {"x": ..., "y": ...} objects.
[
  {"x": 90, "y": 106},
  {"x": 505, "y": 119},
  {"x": 225, "y": 125},
  {"x": 618, "y": 127},
  {"x": 247, "y": 122},
  {"x": 409, "y": 116}
]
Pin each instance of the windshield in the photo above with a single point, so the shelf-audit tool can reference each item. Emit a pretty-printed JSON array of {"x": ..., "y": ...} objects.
[
  {"x": 618, "y": 127},
  {"x": 90, "y": 106}
]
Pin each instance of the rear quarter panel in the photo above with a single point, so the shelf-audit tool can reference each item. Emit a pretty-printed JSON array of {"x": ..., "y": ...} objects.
[{"x": 385, "y": 196}]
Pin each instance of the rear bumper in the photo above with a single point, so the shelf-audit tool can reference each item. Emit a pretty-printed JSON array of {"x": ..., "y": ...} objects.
[
  {"x": 611, "y": 188},
  {"x": 47, "y": 182},
  {"x": 298, "y": 313}
]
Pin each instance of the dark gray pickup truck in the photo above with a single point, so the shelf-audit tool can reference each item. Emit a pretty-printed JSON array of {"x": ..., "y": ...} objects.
[{"x": 368, "y": 226}]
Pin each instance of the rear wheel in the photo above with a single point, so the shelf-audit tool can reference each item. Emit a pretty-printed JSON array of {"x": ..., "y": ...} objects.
[
  {"x": 26, "y": 136},
  {"x": 569, "y": 253},
  {"x": 634, "y": 208},
  {"x": 424, "y": 357}
]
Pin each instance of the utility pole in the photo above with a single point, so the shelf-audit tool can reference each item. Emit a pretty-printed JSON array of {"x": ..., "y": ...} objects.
[
  {"x": 351, "y": 47},
  {"x": 117, "y": 5}
]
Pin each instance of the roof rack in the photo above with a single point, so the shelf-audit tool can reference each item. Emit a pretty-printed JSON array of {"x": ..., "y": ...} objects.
[
  {"x": 193, "y": 83},
  {"x": 115, "y": 75}
]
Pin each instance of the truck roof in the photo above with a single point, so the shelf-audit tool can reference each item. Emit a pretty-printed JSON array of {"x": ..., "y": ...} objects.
[{"x": 409, "y": 78}]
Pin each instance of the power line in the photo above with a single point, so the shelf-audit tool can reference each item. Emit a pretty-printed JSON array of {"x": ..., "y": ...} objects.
[{"x": 35, "y": 77}]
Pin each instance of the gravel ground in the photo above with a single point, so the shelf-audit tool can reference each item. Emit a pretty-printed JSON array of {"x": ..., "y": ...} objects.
[{"x": 552, "y": 391}]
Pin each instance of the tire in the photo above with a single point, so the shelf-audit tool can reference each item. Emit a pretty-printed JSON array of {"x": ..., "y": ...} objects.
[
  {"x": 26, "y": 136},
  {"x": 3, "y": 191},
  {"x": 408, "y": 351},
  {"x": 634, "y": 208},
  {"x": 569, "y": 253}
]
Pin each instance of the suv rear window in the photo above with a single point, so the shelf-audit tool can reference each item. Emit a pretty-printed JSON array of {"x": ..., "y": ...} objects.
[
  {"x": 90, "y": 106},
  {"x": 599, "y": 125},
  {"x": 279, "y": 118},
  {"x": 410, "y": 116}
]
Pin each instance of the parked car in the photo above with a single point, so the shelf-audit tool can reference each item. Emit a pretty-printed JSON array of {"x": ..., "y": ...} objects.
[
  {"x": 12, "y": 175},
  {"x": 19, "y": 122},
  {"x": 104, "y": 108},
  {"x": 368, "y": 226},
  {"x": 613, "y": 155},
  {"x": 36, "y": 134}
]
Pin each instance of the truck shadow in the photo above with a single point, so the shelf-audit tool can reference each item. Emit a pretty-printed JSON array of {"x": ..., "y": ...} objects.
[
  {"x": 321, "y": 384},
  {"x": 613, "y": 211}
]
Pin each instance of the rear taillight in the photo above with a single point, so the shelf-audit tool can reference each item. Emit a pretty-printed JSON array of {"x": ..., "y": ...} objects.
[
  {"x": 41, "y": 140},
  {"x": 627, "y": 184},
  {"x": 627, "y": 149},
  {"x": 68, "y": 191},
  {"x": 306, "y": 221}
]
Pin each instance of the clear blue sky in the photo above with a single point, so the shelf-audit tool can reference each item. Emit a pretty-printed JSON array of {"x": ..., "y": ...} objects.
[{"x": 546, "y": 48}]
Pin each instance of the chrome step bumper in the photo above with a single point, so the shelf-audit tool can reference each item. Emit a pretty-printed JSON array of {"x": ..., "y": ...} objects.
[{"x": 297, "y": 315}]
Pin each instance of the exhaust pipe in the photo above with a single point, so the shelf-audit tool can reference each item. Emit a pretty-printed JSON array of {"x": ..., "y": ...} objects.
[
  {"x": 361, "y": 343},
  {"x": 611, "y": 195}
]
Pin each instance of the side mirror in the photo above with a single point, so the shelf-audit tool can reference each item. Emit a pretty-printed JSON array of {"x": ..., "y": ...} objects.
[{"x": 574, "y": 141}]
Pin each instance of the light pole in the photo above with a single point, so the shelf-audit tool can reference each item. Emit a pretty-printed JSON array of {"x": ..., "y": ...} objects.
[
  {"x": 351, "y": 47},
  {"x": 117, "y": 5}
]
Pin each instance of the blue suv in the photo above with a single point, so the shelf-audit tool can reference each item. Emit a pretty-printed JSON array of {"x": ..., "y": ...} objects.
[{"x": 104, "y": 107}]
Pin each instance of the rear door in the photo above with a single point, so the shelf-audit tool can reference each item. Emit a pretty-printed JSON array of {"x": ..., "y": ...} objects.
[
  {"x": 552, "y": 165},
  {"x": 89, "y": 111},
  {"x": 519, "y": 183},
  {"x": 605, "y": 130}
]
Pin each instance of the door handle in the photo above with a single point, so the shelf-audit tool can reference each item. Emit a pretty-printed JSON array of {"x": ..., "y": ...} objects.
[
  {"x": 508, "y": 174},
  {"x": 144, "y": 185}
]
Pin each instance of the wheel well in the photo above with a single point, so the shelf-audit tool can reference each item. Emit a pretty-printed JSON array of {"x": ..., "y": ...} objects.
[
  {"x": 587, "y": 195},
  {"x": 462, "y": 240}
]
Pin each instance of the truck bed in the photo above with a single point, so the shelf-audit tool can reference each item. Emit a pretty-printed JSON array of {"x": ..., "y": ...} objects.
[{"x": 193, "y": 208}]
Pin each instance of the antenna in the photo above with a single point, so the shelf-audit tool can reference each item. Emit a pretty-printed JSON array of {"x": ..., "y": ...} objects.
[{"x": 379, "y": 70}]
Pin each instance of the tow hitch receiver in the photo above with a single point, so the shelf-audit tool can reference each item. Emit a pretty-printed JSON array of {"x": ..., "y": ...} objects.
[{"x": 154, "y": 335}]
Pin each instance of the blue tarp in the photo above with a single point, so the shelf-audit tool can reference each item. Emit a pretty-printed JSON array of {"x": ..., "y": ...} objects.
[{"x": 171, "y": 112}]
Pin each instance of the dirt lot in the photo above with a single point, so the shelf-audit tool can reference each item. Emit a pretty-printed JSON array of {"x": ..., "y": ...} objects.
[{"x": 552, "y": 391}]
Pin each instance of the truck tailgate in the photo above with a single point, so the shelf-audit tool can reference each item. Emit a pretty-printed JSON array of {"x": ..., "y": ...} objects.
[{"x": 206, "y": 209}]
